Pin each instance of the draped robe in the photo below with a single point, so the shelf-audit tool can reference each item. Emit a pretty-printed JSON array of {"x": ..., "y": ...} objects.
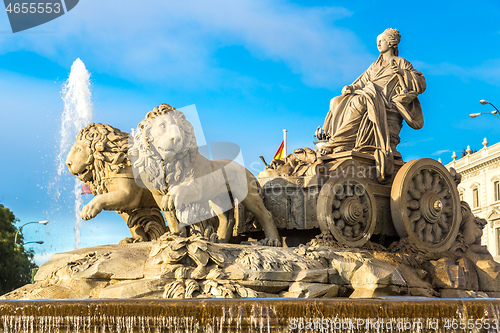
[{"x": 358, "y": 121}]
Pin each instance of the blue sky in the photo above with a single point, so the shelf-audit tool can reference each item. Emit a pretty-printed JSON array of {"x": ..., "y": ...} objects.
[{"x": 251, "y": 67}]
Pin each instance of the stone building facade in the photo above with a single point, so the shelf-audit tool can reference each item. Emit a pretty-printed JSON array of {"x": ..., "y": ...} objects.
[{"x": 480, "y": 188}]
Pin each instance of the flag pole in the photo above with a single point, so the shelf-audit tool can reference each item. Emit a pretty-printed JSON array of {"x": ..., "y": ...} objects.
[{"x": 284, "y": 142}]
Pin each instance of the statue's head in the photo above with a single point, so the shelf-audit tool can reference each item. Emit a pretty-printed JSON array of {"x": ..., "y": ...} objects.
[
  {"x": 99, "y": 148},
  {"x": 389, "y": 39},
  {"x": 167, "y": 131},
  {"x": 163, "y": 147}
]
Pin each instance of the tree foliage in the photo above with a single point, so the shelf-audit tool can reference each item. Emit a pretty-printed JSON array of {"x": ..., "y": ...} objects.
[{"x": 15, "y": 262}]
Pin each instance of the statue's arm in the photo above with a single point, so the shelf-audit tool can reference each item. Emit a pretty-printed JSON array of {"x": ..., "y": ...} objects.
[
  {"x": 359, "y": 83},
  {"x": 414, "y": 80}
]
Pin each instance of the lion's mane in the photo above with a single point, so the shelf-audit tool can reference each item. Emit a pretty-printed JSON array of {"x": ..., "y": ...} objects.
[
  {"x": 149, "y": 163},
  {"x": 107, "y": 148}
]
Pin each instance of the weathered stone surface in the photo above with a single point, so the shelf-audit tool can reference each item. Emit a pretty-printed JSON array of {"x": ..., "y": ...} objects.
[
  {"x": 311, "y": 290},
  {"x": 120, "y": 262},
  {"x": 445, "y": 274},
  {"x": 493, "y": 294},
  {"x": 377, "y": 273},
  {"x": 377, "y": 278},
  {"x": 488, "y": 271},
  {"x": 134, "y": 289},
  {"x": 471, "y": 278},
  {"x": 344, "y": 266},
  {"x": 457, "y": 293},
  {"x": 193, "y": 267},
  {"x": 371, "y": 291},
  {"x": 313, "y": 275},
  {"x": 271, "y": 287}
]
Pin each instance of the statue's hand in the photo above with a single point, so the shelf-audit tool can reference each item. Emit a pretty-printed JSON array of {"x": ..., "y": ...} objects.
[
  {"x": 346, "y": 90},
  {"x": 396, "y": 68},
  {"x": 91, "y": 210}
]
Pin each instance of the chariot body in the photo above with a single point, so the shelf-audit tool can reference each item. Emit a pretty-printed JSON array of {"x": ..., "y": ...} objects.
[{"x": 340, "y": 193}]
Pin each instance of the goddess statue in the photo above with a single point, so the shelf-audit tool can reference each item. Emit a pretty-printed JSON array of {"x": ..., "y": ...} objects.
[{"x": 368, "y": 115}]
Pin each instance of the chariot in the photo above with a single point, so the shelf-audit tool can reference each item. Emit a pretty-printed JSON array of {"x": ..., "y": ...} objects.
[{"x": 341, "y": 193}]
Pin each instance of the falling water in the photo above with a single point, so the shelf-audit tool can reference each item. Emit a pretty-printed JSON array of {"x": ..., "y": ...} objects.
[
  {"x": 77, "y": 114},
  {"x": 264, "y": 315}
]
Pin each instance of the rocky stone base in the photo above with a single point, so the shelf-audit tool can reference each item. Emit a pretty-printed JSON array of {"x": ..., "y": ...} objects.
[{"x": 193, "y": 267}]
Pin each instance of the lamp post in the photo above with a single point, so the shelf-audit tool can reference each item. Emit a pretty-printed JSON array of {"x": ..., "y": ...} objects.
[
  {"x": 484, "y": 102},
  {"x": 38, "y": 242},
  {"x": 44, "y": 222}
]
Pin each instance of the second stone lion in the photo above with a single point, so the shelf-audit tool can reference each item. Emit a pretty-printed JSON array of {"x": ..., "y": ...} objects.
[{"x": 189, "y": 188}]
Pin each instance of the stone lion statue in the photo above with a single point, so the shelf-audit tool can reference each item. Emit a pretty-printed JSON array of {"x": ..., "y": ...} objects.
[
  {"x": 100, "y": 158},
  {"x": 189, "y": 188}
]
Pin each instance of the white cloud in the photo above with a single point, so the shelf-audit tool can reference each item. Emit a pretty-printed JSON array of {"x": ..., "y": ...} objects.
[
  {"x": 176, "y": 41},
  {"x": 440, "y": 152},
  {"x": 487, "y": 71}
]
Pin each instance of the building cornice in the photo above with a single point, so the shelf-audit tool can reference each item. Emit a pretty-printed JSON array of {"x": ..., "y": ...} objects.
[{"x": 466, "y": 169}]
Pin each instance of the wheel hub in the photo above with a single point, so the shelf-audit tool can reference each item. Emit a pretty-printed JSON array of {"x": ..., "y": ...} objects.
[
  {"x": 351, "y": 211},
  {"x": 431, "y": 207}
]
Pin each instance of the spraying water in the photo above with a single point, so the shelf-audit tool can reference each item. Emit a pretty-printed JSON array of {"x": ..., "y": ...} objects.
[{"x": 77, "y": 114}]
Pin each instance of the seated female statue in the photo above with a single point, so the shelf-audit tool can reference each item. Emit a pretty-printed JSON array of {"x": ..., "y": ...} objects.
[{"x": 368, "y": 115}]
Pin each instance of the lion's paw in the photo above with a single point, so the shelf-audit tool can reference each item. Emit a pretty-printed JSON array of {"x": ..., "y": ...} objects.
[
  {"x": 90, "y": 210},
  {"x": 270, "y": 242}
]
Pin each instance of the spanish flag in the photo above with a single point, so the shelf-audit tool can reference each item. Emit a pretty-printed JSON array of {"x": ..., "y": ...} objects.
[{"x": 280, "y": 153}]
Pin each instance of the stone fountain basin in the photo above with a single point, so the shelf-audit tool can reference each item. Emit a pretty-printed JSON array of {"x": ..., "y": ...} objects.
[{"x": 395, "y": 314}]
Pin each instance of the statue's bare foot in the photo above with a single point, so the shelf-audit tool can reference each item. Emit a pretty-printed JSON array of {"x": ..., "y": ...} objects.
[{"x": 270, "y": 242}]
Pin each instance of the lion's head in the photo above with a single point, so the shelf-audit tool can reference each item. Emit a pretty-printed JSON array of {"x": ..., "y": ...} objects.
[
  {"x": 164, "y": 147},
  {"x": 98, "y": 147}
]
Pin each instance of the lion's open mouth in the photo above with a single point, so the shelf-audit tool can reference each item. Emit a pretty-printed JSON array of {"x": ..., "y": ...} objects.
[{"x": 84, "y": 175}]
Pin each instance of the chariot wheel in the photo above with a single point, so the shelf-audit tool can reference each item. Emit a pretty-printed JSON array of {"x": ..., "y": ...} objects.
[
  {"x": 346, "y": 207},
  {"x": 425, "y": 205}
]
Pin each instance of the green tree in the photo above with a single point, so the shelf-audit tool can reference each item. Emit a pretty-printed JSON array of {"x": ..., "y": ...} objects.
[{"x": 15, "y": 262}]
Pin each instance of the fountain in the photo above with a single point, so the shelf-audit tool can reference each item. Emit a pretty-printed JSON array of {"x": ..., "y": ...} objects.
[
  {"x": 77, "y": 113},
  {"x": 346, "y": 238}
]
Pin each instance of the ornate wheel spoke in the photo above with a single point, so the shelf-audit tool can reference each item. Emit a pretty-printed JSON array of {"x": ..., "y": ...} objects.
[
  {"x": 425, "y": 205},
  {"x": 336, "y": 204},
  {"x": 415, "y": 194},
  {"x": 415, "y": 216},
  {"x": 427, "y": 180},
  {"x": 436, "y": 183},
  {"x": 414, "y": 205},
  {"x": 419, "y": 183}
]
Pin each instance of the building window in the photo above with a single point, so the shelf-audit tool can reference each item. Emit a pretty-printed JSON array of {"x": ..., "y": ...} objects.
[
  {"x": 461, "y": 195},
  {"x": 498, "y": 240},
  {"x": 475, "y": 198},
  {"x": 496, "y": 185}
]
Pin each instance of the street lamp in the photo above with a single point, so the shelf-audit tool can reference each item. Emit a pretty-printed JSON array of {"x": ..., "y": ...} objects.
[
  {"x": 38, "y": 242},
  {"x": 44, "y": 222},
  {"x": 484, "y": 102}
]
